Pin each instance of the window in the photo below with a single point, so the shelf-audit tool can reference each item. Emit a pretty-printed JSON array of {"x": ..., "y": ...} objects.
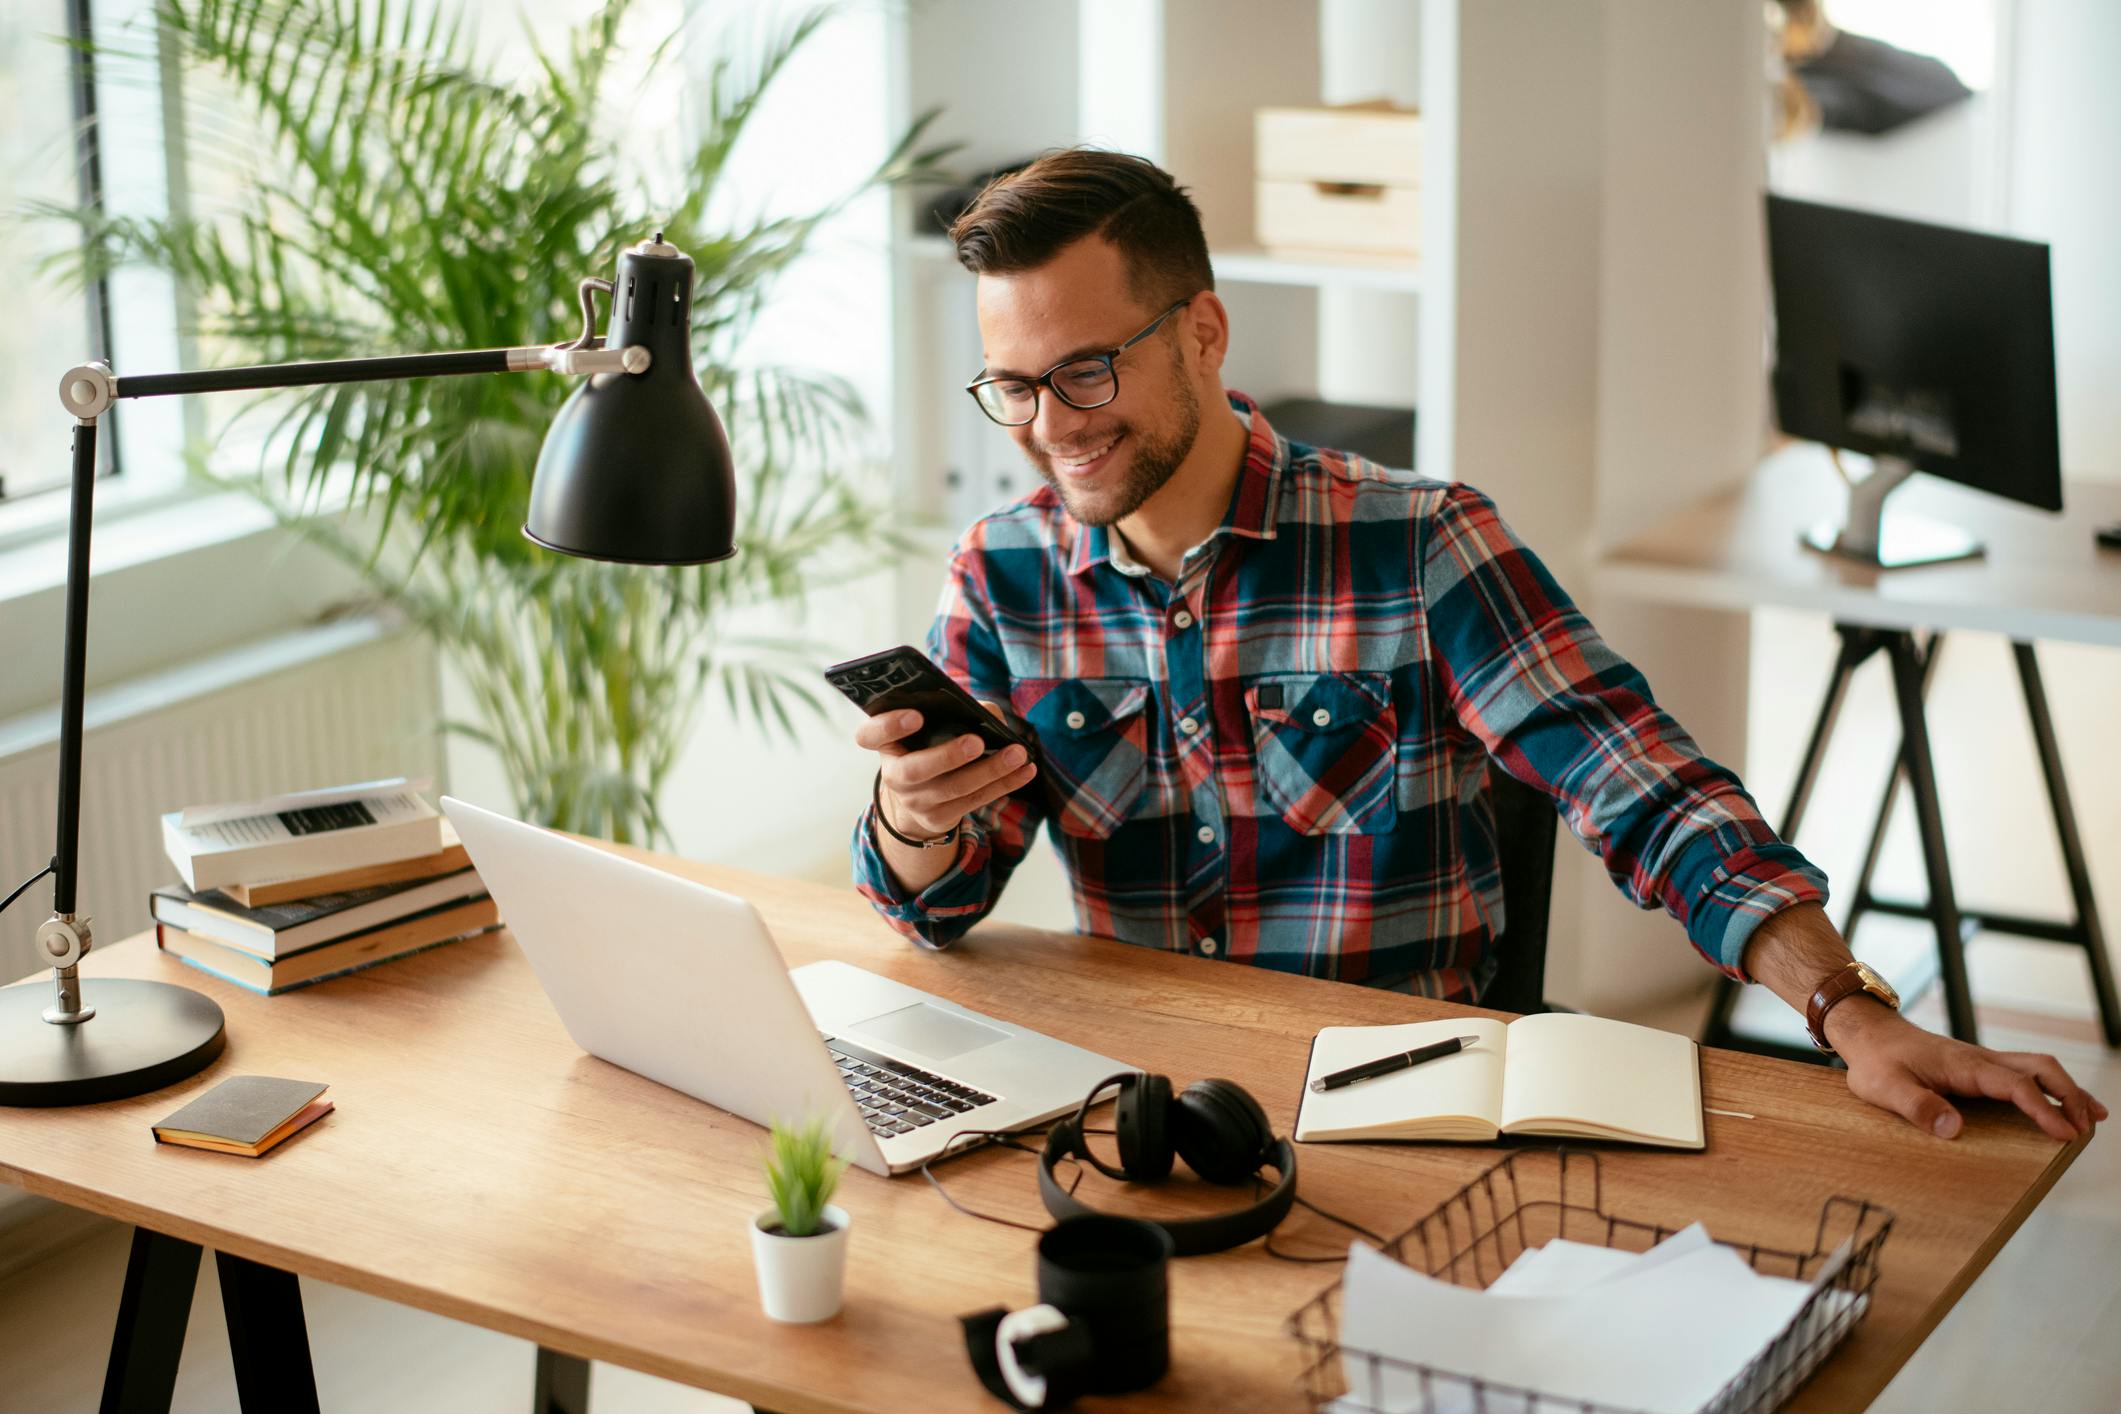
[
  {"x": 48, "y": 154},
  {"x": 1960, "y": 32},
  {"x": 50, "y": 158}
]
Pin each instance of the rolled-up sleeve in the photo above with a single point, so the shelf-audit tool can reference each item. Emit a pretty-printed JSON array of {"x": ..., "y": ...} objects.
[
  {"x": 1526, "y": 673},
  {"x": 995, "y": 838}
]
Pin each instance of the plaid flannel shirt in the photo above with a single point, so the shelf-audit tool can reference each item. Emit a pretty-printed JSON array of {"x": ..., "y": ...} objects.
[{"x": 1280, "y": 760}]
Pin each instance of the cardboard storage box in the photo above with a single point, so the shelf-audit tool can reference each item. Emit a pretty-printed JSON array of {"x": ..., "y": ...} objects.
[{"x": 1339, "y": 179}]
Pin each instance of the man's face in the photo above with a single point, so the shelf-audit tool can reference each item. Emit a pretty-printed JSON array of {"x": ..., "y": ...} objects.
[{"x": 1107, "y": 461}]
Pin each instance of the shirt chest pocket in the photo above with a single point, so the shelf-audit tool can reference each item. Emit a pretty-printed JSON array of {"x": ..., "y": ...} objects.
[
  {"x": 1093, "y": 739},
  {"x": 1327, "y": 751}
]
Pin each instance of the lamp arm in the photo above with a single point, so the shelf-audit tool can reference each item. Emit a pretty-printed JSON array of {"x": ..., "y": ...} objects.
[{"x": 81, "y": 388}]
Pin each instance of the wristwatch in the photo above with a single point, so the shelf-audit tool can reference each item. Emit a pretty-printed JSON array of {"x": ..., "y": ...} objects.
[{"x": 1854, "y": 978}]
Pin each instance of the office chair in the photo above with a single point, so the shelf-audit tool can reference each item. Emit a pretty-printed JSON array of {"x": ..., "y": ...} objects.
[{"x": 1525, "y": 825}]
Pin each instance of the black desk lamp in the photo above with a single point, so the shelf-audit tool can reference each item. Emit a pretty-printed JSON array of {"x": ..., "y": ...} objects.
[{"x": 635, "y": 469}]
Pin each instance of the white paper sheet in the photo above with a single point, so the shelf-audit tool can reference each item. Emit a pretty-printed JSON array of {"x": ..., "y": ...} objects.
[{"x": 1661, "y": 1331}]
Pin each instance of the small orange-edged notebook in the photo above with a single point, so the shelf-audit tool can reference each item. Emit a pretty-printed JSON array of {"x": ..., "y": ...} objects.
[{"x": 245, "y": 1114}]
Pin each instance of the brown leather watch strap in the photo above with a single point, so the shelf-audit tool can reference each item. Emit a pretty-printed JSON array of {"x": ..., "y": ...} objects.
[{"x": 1832, "y": 992}]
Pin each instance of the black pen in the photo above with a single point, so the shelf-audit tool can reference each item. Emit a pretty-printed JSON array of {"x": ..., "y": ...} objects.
[{"x": 1386, "y": 1065}]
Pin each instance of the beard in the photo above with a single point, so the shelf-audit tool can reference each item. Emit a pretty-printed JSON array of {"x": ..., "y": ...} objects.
[{"x": 1153, "y": 457}]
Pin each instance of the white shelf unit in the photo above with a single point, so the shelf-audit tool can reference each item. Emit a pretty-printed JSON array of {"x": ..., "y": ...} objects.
[{"x": 1176, "y": 81}]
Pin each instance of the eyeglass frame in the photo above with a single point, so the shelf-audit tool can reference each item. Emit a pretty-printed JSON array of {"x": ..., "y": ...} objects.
[{"x": 1109, "y": 358}]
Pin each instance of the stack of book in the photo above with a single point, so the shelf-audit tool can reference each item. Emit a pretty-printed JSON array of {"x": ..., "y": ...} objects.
[{"x": 283, "y": 893}]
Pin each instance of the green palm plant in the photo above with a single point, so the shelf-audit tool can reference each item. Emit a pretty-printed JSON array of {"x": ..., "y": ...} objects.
[{"x": 412, "y": 199}]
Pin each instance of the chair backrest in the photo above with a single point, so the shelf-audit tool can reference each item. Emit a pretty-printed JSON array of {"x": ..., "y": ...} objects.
[{"x": 1525, "y": 825}]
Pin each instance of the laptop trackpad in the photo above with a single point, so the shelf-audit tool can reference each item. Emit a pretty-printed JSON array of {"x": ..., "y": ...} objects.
[{"x": 931, "y": 1031}]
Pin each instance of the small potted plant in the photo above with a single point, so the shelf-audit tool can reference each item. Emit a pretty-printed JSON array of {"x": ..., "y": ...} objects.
[{"x": 800, "y": 1243}]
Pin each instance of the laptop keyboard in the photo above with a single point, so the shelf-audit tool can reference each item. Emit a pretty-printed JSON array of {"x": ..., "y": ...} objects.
[{"x": 897, "y": 1098}]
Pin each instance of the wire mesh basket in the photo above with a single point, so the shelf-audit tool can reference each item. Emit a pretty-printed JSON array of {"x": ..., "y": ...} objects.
[{"x": 1533, "y": 1196}]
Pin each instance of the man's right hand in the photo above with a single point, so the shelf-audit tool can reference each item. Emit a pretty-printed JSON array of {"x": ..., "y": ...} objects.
[{"x": 926, "y": 792}]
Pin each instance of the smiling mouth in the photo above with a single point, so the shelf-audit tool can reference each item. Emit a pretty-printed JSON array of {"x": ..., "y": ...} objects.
[{"x": 1087, "y": 462}]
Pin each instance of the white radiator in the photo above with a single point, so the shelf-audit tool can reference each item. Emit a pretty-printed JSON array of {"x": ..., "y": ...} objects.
[{"x": 348, "y": 701}]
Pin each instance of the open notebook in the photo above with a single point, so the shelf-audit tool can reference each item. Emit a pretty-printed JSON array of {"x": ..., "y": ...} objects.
[{"x": 1580, "y": 1077}]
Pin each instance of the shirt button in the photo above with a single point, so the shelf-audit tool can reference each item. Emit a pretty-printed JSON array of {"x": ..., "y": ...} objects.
[
  {"x": 1321, "y": 717},
  {"x": 1188, "y": 725},
  {"x": 1209, "y": 947},
  {"x": 1182, "y": 619},
  {"x": 1206, "y": 834},
  {"x": 1075, "y": 721}
]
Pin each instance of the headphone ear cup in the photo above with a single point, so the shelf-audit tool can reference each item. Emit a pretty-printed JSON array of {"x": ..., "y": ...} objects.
[
  {"x": 1221, "y": 1132},
  {"x": 1142, "y": 1117},
  {"x": 1070, "y": 1139}
]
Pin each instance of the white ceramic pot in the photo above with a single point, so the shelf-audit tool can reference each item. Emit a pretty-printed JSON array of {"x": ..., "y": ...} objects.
[{"x": 800, "y": 1278}]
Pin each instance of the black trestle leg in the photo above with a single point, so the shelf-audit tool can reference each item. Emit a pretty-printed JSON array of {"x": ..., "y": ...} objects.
[
  {"x": 1929, "y": 821},
  {"x": 1861, "y": 902},
  {"x": 267, "y": 1337},
  {"x": 2088, "y": 931},
  {"x": 160, "y": 1277},
  {"x": 562, "y": 1385}
]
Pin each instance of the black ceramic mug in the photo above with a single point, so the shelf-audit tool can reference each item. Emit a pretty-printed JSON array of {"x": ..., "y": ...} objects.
[
  {"x": 1102, "y": 1325},
  {"x": 1111, "y": 1276}
]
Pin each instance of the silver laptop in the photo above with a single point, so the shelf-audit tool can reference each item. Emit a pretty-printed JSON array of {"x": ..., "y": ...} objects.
[{"x": 682, "y": 984}]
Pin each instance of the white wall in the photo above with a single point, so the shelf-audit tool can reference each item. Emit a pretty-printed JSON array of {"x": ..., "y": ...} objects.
[
  {"x": 1681, "y": 391},
  {"x": 2064, "y": 187},
  {"x": 1591, "y": 343}
]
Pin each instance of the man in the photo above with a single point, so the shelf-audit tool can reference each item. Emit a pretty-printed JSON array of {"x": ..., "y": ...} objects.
[{"x": 1267, "y": 680}]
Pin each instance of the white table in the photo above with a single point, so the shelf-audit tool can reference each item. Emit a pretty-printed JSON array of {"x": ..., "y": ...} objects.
[{"x": 2044, "y": 577}]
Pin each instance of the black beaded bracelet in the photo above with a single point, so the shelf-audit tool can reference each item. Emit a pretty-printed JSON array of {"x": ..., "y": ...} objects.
[{"x": 876, "y": 797}]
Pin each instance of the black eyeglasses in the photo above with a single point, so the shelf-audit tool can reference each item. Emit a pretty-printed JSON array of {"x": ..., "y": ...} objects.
[{"x": 1088, "y": 381}]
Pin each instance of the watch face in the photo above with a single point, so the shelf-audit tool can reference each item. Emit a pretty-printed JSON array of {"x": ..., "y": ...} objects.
[{"x": 1877, "y": 986}]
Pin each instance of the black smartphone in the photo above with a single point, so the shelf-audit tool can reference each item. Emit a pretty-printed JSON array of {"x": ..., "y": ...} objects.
[{"x": 903, "y": 677}]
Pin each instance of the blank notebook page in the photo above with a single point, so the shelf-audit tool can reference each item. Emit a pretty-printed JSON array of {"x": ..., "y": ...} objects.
[
  {"x": 1583, "y": 1074},
  {"x": 1467, "y": 1084}
]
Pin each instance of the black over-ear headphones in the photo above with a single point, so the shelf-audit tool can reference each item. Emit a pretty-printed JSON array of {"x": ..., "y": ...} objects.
[{"x": 1218, "y": 1129}]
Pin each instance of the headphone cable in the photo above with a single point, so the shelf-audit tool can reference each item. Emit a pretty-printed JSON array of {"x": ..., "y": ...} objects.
[
  {"x": 1007, "y": 1139},
  {"x": 1357, "y": 1228}
]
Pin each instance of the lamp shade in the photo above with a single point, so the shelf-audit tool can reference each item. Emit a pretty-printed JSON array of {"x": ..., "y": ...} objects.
[{"x": 636, "y": 467}]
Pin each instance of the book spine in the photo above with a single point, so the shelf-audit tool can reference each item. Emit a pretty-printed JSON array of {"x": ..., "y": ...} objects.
[
  {"x": 225, "y": 977},
  {"x": 278, "y": 989},
  {"x": 377, "y": 962}
]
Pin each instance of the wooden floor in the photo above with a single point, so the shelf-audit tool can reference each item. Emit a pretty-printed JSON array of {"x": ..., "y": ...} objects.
[{"x": 2037, "y": 1331}]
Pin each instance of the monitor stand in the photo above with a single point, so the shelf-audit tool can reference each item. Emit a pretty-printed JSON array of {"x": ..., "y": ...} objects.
[{"x": 1869, "y": 537}]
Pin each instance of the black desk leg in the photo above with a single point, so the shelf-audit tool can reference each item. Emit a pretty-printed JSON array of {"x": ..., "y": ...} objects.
[
  {"x": 1861, "y": 901},
  {"x": 562, "y": 1385},
  {"x": 267, "y": 1338},
  {"x": 1929, "y": 821},
  {"x": 160, "y": 1277},
  {"x": 2087, "y": 932}
]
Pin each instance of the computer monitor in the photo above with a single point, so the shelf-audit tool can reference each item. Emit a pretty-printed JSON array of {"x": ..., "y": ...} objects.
[{"x": 1931, "y": 349}]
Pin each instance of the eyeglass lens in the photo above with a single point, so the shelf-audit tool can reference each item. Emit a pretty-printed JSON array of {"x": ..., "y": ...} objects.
[{"x": 1088, "y": 383}]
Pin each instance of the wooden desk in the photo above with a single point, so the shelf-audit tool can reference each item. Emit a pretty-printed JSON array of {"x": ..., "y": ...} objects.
[{"x": 481, "y": 1167}]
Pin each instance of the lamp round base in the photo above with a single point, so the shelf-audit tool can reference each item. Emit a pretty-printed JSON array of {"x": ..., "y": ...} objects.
[{"x": 144, "y": 1035}]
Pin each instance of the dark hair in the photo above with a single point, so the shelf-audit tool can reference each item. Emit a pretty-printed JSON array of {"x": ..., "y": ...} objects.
[{"x": 1022, "y": 219}]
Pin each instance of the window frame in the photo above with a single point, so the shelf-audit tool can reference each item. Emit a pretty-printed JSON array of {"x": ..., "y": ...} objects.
[{"x": 143, "y": 448}]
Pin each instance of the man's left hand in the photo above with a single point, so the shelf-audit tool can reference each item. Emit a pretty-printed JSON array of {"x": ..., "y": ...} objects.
[{"x": 1898, "y": 1066}]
